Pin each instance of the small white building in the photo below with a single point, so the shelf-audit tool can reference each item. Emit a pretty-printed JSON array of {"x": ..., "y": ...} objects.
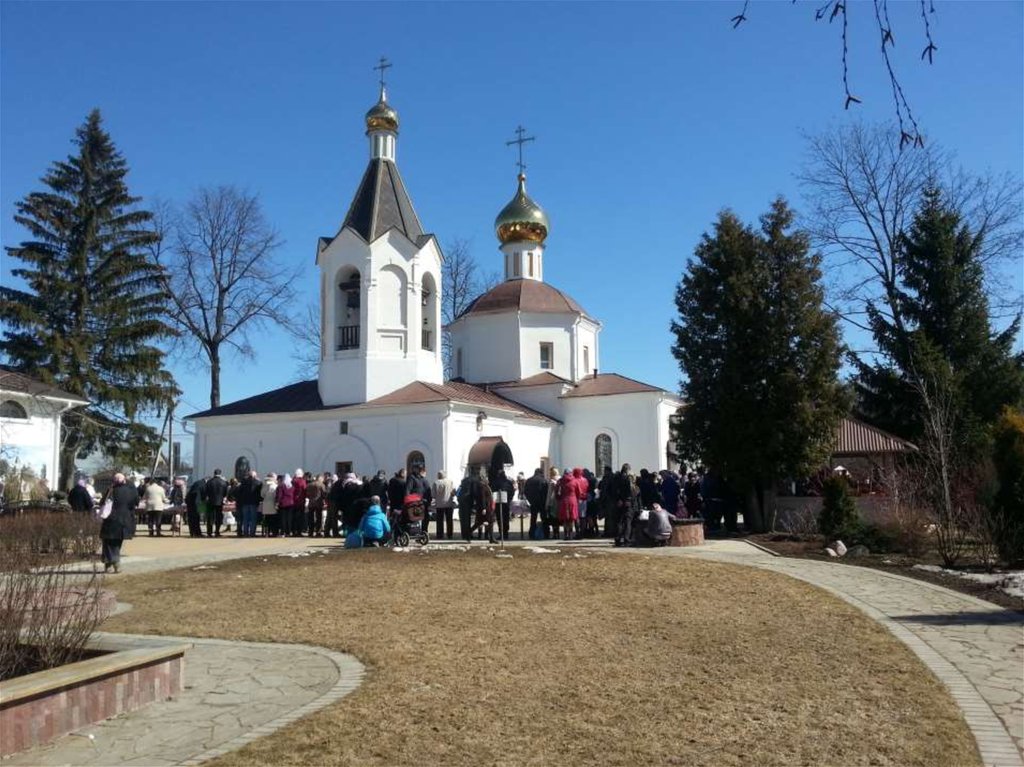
[
  {"x": 525, "y": 357},
  {"x": 30, "y": 416}
]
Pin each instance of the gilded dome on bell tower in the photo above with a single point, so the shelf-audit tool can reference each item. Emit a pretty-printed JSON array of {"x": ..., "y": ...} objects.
[{"x": 522, "y": 219}]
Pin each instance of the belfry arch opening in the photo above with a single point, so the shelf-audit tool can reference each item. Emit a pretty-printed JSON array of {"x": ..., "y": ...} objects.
[{"x": 348, "y": 304}]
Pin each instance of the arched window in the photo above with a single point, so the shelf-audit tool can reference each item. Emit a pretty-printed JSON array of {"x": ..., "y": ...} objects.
[
  {"x": 414, "y": 462},
  {"x": 348, "y": 299},
  {"x": 428, "y": 342},
  {"x": 602, "y": 453},
  {"x": 11, "y": 409}
]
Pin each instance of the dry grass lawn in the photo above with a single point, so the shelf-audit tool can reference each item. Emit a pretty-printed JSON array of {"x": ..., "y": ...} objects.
[{"x": 553, "y": 659}]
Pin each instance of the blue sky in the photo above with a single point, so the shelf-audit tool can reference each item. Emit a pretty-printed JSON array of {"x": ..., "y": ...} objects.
[{"x": 650, "y": 118}]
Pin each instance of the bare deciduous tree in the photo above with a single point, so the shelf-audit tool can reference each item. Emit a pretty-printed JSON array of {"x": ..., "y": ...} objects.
[
  {"x": 461, "y": 282},
  {"x": 222, "y": 276},
  {"x": 862, "y": 191},
  {"x": 308, "y": 345}
]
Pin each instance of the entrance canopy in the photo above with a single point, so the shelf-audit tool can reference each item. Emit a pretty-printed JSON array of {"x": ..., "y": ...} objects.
[{"x": 492, "y": 453}]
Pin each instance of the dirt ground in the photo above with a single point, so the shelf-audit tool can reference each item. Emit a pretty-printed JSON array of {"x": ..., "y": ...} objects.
[
  {"x": 813, "y": 548},
  {"x": 568, "y": 658}
]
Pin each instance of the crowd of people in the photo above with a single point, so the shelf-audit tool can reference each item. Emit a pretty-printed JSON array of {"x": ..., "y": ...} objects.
[{"x": 572, "y": 504}]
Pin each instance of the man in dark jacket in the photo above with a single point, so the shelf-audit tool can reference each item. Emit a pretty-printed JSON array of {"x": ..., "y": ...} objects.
[
  {"x": 248, "y": 497},
  {"x": 502, "y": 484},
  {"x": 379, "y": 488},
  {"x": 537, "y": 496},
  {"x": 396, "y": 491},
  {"x": 215, "y": 493},
  {"x": 625, "y": 496},
  {"x": 79, "y": 498},
  {"x": 470, "y": 498},
  {"x": 192, "y": 499},
  {"x": 348, "y": 508}
]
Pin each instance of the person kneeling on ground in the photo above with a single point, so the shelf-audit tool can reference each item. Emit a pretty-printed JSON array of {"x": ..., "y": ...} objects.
[
  {"x": 658, "y": 529},
  {"x": 374, "y": 525}
]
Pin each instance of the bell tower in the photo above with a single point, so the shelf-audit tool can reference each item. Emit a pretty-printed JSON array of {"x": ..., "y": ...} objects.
[{"x": 380, "y": 279}]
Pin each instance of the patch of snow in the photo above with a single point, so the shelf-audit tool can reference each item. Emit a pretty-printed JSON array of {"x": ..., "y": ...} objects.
[
  {"x": 294, "y": 554},
  {"x": 503, "y": 556},
  {"x": 1009, "y": 582},
  {"x": 540, "y": 550},
  {"x": 205, "y": 567},
  {"x": 400, "y": 550}
]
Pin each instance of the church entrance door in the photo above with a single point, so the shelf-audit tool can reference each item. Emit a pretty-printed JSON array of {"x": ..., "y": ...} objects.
[{"x": 341, "y": 468}]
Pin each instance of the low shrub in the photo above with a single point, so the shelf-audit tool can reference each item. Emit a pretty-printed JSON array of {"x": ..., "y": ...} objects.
[
  {"x": 838, "y": 517},
  {"x": 50, "y": 598},
  {"x": 1008, "y": 505}
]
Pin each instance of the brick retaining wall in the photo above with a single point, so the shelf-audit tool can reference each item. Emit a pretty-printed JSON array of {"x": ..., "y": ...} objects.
[{"x": 37, "y": 708}]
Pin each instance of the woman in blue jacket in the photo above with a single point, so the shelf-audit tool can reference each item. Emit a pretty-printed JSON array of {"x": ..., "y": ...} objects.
[{"x": 374, "y": 525}]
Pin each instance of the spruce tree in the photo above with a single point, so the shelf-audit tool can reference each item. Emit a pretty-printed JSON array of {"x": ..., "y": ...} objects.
[
  {"x": 90, "y": 317},
  {"x": 946, "y": 336},
  {"x": 760, "y": 355}
]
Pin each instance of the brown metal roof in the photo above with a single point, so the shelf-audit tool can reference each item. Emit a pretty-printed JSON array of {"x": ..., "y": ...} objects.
[
  {"x": 858, "y": 438},
  {"x": 524, "y": 295},
  {"x": 13, "y": 381},
  {"x": 604, "y": 384},
  {"x": 419, "y": 392},
  {"x": 540, "y": 379}
]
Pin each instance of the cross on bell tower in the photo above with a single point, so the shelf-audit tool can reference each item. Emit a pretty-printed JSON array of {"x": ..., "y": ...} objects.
[
  {"x": 383, "y": 65},
  {"x": 521, "y": 139}
]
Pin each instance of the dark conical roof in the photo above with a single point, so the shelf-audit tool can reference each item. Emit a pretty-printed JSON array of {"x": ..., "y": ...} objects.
[{"x": 381, "y": 203}]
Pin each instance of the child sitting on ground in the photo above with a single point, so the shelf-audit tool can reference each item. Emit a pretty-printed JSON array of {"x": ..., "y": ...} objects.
[{"x": 374, "y": 525}]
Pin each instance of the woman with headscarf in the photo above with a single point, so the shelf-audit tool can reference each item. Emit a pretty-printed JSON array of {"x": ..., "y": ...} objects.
[
  {"x": 271, "y": 520},
  {"x": 299, "y": 503},
  {"x": 568, "y": 504},
  {"x": 119, "y": 523},
  {"x": 285, "y": 497}
]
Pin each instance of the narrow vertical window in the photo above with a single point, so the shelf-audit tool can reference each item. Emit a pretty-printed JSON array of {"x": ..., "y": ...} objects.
[
  {"x": 586, "y": 360},
  {"x": 547, "y": 356},
  {"x": 531, "y": 262},
  {"x": 458, "y": 363},
  {"x": 516, "y": 269}
]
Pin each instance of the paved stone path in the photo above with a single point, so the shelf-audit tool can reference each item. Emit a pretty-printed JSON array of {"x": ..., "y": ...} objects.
[
  {"x": 234, "y": 693},
  {"x": 974, "y": 647}
]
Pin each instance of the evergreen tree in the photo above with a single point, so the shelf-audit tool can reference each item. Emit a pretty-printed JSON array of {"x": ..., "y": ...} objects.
[
  {"x": 90, "y": 318},
  {"x": 946, "y": 336},
  {"x": 760, "y": 356}
]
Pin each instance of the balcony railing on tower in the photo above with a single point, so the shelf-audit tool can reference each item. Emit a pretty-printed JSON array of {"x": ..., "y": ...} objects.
[
  {"x": 348, "y": 337},
  {"x": 425, "y": 341}
]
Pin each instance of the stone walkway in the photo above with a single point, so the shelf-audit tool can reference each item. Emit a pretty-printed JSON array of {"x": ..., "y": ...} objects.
[
  {"x": 974, "y": 647},
  {"x": 234, "y": 693}
]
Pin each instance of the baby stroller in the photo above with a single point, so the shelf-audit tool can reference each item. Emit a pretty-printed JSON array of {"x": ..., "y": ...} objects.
[{"x": 408, "y": 524}]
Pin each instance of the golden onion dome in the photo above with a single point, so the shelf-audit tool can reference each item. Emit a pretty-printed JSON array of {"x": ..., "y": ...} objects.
[
  {"x": 522, "y": 219},
  {"x": 382, "y": 116}
]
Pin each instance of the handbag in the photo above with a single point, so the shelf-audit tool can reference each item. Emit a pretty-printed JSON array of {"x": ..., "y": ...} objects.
[{"x": 105, "y": 509}]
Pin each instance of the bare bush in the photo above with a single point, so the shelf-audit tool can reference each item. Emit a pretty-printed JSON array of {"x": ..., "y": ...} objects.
[
  {"x": 908, "y": 521},
  {"x": 801, "y": 522},
  {"x": 50, "y": 596}
]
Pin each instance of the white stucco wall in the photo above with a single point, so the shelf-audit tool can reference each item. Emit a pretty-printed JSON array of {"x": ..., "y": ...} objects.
[
  {"x": 529, "y": 440},
  {"x": 378, "y": 438},
  {"x": 33, "y": 441},
  {"x": 391, "y": 316},
  {"x": 637, "y": 423},
  {"x": 490, "y": 347}
]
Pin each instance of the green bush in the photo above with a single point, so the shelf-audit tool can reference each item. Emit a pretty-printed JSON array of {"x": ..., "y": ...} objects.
[
  {"x": 1008, "y": 506},
  {"x": 838, "y": 516}
]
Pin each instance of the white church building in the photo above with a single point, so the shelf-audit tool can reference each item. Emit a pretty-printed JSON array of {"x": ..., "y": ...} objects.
[{"x": 380, "y": 400}]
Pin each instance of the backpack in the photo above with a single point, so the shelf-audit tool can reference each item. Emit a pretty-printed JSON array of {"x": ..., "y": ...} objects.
[{"x": 354, "y": 540}]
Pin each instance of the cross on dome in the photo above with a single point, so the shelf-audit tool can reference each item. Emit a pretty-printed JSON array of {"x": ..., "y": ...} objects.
[
  {"x": 383, "y": 65},
  {"x": 520, "y": 139}
]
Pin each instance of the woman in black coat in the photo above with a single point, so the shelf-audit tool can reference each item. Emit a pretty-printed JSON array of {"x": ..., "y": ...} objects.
[{"x": 119, "y": 525}]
